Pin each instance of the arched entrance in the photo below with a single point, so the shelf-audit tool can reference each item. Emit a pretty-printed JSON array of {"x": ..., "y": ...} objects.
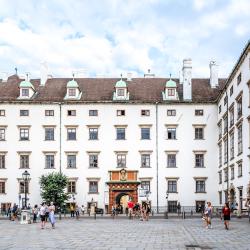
[
  {"x": 122, "y": 201},
  {"x": 232, "y": 201}
]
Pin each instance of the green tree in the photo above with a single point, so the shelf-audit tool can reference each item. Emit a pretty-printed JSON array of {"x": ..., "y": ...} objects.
[{"x": 53, "y": 188}]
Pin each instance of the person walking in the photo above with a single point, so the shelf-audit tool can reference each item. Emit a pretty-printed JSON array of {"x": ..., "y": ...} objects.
[
  {"x": 226, "y": 215},
  {"x": 77, "y": 211},
  {"x": 52, "y": 215},
  {"x": 208, "y": 215},
  {"x": 43, "y": 215},
  {"x": 35, "y": 212},
  {"x": 72, "y": 210},
  {"x": 82, "y": 209}
]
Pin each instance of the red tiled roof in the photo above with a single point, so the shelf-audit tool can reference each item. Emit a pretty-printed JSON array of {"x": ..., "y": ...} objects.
[{"x": 101, "y": 89}]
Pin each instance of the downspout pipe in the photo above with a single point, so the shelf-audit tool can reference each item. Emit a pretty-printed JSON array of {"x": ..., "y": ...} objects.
[{"x": 157, "y": 158}]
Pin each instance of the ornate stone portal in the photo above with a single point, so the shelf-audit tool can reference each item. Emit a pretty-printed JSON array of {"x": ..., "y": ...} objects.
[{"x": 122, "y": 182}]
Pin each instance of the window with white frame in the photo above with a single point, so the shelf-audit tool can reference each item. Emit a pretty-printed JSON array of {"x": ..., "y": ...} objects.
[
  {"x": 199, "y": 133},
  {"x": 200, "y": 186},
  {"x": 220, "y": 177},
  {"x": 22, "y": 186},
  {"x": 71, "y": 161},
  {"x": 145, "y": 112},
  {"x": 145, "y": 185},
  {"x": 24, "y": 112},
  {"x": 120, "y": 92},
  {"x": 232, "y": 172},
  {"x": 49, "y": 112},
  {"x": 120, "y": 133},
  {"x": 239, "y": 107},
  {"x": 49, "y": 161},
  {"x": 232, "y": 145},
  {"x": 225, "y": 119},
  {"x": 145, "y": 160},
  {"x": 225, "y": 175},
  {"x": 220, "y": 129},
  {"x": 25, "y": 92},
  {"x": 71, "y": 112},
  {"x": 72, "y": 92},
  {"x": 231, "y": 90},
  {"x": 93, "y": 112},
  {"x": 171, "y": 112},
  {"x": 93, "y": 133},
  {"x": 93, "y": 160},
  {"x": 120, "y": 112},
  {"x": 239, "y": 78},
  {"x": 2, "y": 160},
  {"x": 239, "y": 169},
  {"x": 220, "y": 197},
  {"x": 240, "y": 145},
  {"x": 93, "y": 187},
  {"x": 71, "y": 187},
  {"x": 24, "y": 161},
  {"x": 145, "y": 133},
  {"x": 220, "y": 155},
  {"x": 231, "y": 116},
  {"x": 2, "y": 187},
  {"x": 2, "y": 134},
  {"x": 24, "y": 134},
  {"x": 199, "y": 160},
  {"x": 172, "y": 186},
  {"x": 121, "y": 160},
  {"x": 171, "y": 160},
  {"x": 49, "y": 134},
  {"x": 71, "y": 134},
  {"x": 2, "y": 112},
  {"x": 225, "y": 150},
  {"x": 199, "y": 112},
  {"x": 171, "y": 133}
]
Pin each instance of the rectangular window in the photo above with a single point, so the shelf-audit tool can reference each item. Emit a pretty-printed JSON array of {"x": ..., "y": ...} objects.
[
  {"x": 24, "y": 134},
  {"x": 239, "y": 108},
  {"x": 93, "y": 112},
  {"x": 171, "y": 160},
  {"x": 219, "y": 109},
  {"x": 2, "y": 161},
  {"x": 231, "y": 90},
  {"x": 71, "y": 187},
  {"x": 232, "y": 146},
  {"x": 2, "y": 112},
  {"x": 145, "y": 133},
  {"x": 2, "y": 187},
  {"x": 121, "y": 160},
  {"x": 93, "y": 187},
  {"x": 145, "y": 185},
  {"x": 120, "y": 112},
  {"x": 71, "y": 112},
  {"x": 120, "y": 92},
  {"x": 120, "y": 133},
  {"x": 145, "y": 160},
  {"x": 199, "y": 112},
  {"x": 171, "y": 133},
  {"x": 24, "y": 161},
  {"x": 72, "y": 92},
  {"x": 24, "y": 112},
  {"x": 220, "y": 155},
  {"x": 22, "y": 186},
  {"x": 49, "y": 161},
  {"x": 199, "y": 160},
  {"x": 49, "y": 112},
  {"x": 220, "y": 177},
  {"x": 225, "y": 100},
  {"x": 225, "y": 175},
  {"x": 93, "y": 161},
  {"x": 232, "y": 173},
  {"x": 199, "y": 133},
  {"x": 145, "y": 112},
  {"x": 225, "y": 151},
  {"x": 71, "y": 161},
  {"x": 172, "y": 186},
  {"x": 2, "y": 134},
  {"x": 200, "y": 186},
  {"x": 171, "y": 92},
  {"x": 71, "y": 134},
  {"x": 239, "y": 169},
  {"x": 231, "y": 115},
  {"x": 225, "y": 124},
  {"x": 220, "y": 197},
  {"x": 239, "y": 78},
  {"x": 93, "y": 133},
  {"x": 220, "y": 130},
  {"x": 171, "y": 112},
  {"x": 240, "y": 147},
  {"x": 25, "y": 92},
  {"x": 49, "y": 134}
]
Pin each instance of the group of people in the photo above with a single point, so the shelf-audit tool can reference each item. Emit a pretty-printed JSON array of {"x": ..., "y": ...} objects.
[
  {"x": 46, "y": 212},
  {"x": 133, "y": 210},
  {"x": 225, "y": 215},
  {"x": 75, "y": 210}
]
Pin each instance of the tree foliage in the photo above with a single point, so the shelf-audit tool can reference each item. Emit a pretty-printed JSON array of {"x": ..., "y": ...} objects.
[{"x": 53, "y": 188}]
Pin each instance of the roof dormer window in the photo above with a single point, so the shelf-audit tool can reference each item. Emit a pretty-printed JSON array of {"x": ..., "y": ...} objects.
[
  {"x": 73, "y": 91},
  {"x": 170, "y": 92},
  {"x": 121, "y": 91},
  {"x": 25, "y": 92}
]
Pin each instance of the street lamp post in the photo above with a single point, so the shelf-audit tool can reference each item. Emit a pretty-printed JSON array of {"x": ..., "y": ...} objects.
[
  {"x": 166, "y": 215},
  {"x": 26, "y": 177}
]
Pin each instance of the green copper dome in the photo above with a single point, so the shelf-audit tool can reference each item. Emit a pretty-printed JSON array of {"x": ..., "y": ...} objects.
[
  {"x": 121, "y": 84},
  {"x": 26, "y": 84},
  {"x": 170, "y": 84},
  {"x": 72, "y": 84}
]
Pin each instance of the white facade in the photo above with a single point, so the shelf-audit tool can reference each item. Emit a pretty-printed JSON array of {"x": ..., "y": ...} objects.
[{"x": 181, "y": 134}]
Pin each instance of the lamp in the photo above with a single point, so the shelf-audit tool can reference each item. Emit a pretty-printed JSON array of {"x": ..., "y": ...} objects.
[{"x": 26, "y": 176}]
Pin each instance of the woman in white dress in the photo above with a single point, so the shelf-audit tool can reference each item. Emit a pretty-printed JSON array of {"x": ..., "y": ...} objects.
[{"x": 52, "y": 215}]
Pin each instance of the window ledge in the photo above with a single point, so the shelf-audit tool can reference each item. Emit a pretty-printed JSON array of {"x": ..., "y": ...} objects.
[
  {"x": 145, "y": 167},
  {"x": 25, "y": 168},
  {"x": 199, "y": 167},
  {"x": 172, "y": 192},
  {"x": 93, "y": 167},
  {"x": 48, "y": 140},
  {"x": 93, "y": 139},
  {"x": 71, "y": 140},
  {"x": 71, "y": 168},
  {"x": 93, "y": 192},
  {"x": 49, "y": 168},
  {"x": 145, "y": 139},
  {"x": 199, "y": 139},
  {"x": 2, "y": 140},
  {"x": 239, "y": 176},
  {"x": 201, "y": 192},
  {"x": 171, "y": 167},
  {"x": 24, "y": 140},
  {"x": 3, "y": 193}
]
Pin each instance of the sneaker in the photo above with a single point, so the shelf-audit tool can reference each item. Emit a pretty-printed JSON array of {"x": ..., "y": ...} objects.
[
  {"x": 210, "y": 227},
  {"x": 206, "y": 227}
]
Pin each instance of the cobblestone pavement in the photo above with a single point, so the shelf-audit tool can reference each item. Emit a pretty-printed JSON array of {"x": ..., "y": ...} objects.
[{"x": 125, "y": 234}]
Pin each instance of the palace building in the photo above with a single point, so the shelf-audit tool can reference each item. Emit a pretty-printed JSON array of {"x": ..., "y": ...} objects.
[{"x": 148, "y": 139}]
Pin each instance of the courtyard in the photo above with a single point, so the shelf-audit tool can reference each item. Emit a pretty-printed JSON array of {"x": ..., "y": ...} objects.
[{"x": 121, "y": 233}]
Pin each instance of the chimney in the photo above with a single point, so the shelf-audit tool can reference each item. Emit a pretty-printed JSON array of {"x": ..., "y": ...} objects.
[
  {"x": 27, "y": 76},
  {"x": 213, "y": 74},
  {"x": 149, "y": 75},
  {"x": 187, "y": 79},
  {"x": 44, "y": 73},
  {"x": 129, "y": 76}
]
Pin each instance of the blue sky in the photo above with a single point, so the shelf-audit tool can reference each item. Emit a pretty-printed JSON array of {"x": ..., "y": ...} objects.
[{"x": 110, "y": 37}]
